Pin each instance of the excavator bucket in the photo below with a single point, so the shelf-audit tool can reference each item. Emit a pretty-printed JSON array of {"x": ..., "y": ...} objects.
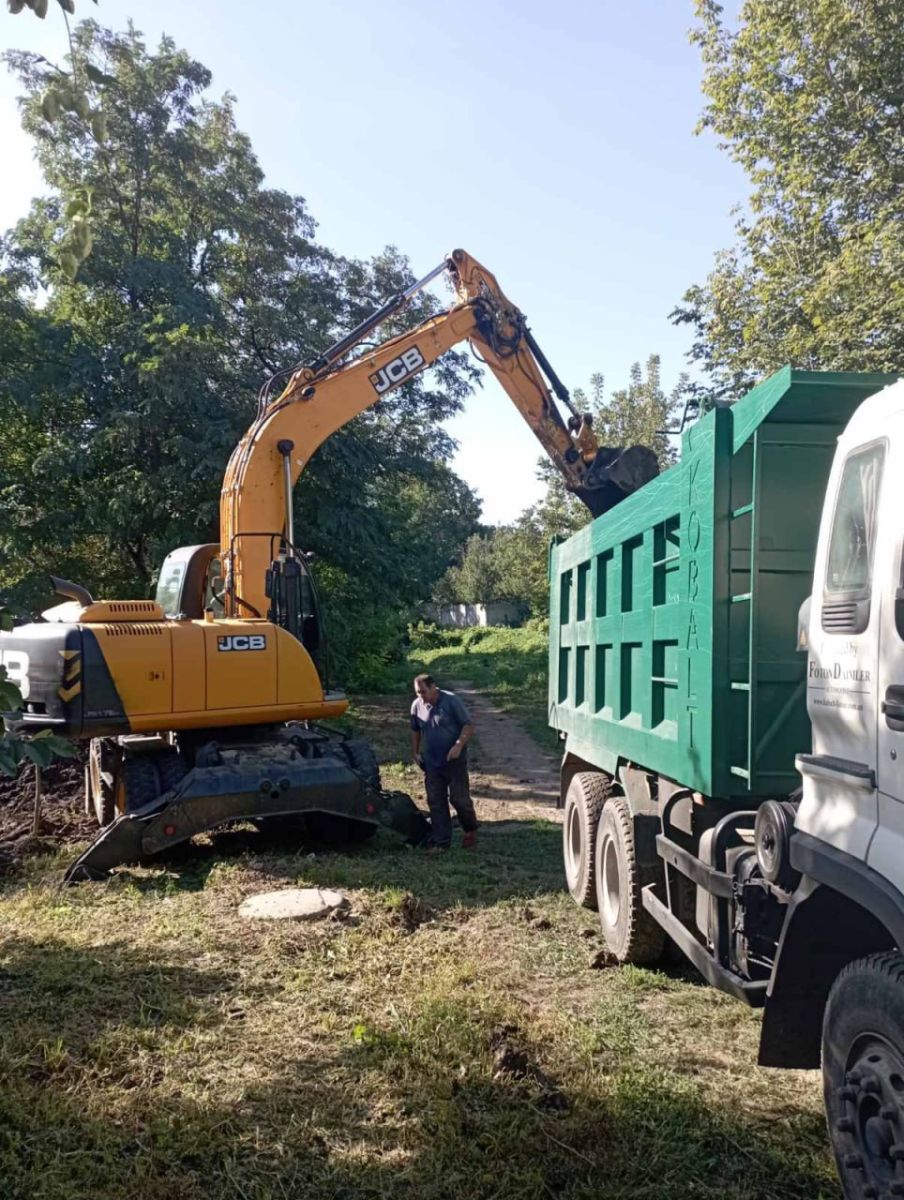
[
  {"x": 325, "y": 796},
  {"x": 616, "y": 474}
]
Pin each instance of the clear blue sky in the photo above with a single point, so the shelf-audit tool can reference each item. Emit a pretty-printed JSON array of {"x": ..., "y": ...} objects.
[{"x": 553, "y": 141}]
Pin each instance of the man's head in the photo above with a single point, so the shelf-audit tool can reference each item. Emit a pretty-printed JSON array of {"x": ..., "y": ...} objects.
[{"x": 426, "y": 688}]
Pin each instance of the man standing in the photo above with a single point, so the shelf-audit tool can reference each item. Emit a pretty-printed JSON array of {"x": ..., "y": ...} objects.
[{"x": 440, "y": 731}]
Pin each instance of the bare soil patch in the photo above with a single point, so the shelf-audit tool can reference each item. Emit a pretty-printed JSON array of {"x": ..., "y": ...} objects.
[
  {"x": 63, "y": 818},
  {"x": 511, "y": 776}
]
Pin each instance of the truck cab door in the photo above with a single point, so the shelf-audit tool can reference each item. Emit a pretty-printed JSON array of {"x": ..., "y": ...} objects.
[
  {"x": 839, "y": 804},
  {"x": 886, "y": 853}
]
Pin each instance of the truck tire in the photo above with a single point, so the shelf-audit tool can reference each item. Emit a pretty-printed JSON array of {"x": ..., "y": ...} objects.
[
  {"x": 863, "y": 1075},
  {"x": 630, "y": 932},
  {"x": 584, "y": 802}
]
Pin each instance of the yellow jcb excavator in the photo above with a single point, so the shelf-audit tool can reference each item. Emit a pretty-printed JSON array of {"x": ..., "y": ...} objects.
[{"x": 202, "y": 706}]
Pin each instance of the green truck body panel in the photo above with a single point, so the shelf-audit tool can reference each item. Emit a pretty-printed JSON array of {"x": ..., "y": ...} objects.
[{"x": 673, "y": 618}]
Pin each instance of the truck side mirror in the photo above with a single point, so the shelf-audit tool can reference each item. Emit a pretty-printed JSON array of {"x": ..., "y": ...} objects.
[
  {"x": 899, "y": 611},
  {"x": 803, "y": 626}
]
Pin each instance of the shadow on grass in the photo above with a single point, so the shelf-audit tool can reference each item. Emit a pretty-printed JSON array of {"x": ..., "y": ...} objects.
[
  {"x": 418, "y": 1110},
  {"x": 47, "y": 987},
  {"x": 513, "y": 859}
]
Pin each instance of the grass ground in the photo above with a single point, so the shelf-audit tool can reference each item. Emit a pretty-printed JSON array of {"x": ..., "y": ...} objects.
[{"x": 448, "y": 1039}]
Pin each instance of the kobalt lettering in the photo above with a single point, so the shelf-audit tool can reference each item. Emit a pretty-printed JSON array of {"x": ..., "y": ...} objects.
[
  {"x": 400, "y": 368},
  {"x": 242, "y": 641}
]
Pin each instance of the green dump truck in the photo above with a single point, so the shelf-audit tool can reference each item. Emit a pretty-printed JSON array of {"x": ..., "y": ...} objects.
[{"x": 727, "y": 674}]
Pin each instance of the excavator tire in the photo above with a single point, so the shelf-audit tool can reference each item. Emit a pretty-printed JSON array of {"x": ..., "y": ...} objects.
[
  {"x": 139, "y": 782},
  {"x": 362, "y": 760},
  {"x": 171, "y": 768},
  {"x": 100, "y": 799},
  {"x": 144, "y": 777}
]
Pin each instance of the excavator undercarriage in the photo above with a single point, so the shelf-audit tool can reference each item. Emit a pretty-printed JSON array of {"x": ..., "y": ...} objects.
[{"x": 151, "y": 793}]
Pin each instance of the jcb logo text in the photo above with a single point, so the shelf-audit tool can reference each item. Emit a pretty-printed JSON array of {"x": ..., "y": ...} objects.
[
  {"x": 400, "y": 368},
  {"x": 242, "y": 641}
]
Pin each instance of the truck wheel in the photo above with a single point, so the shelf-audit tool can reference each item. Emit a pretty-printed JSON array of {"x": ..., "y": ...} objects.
[
  {"x": 630, "y": 932},
  {"x": 863, "y": 1075},
  {"x": 584, "y": 802}
]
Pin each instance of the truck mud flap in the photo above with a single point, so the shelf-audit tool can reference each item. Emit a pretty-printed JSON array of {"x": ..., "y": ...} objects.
[{"x": 214, "y": 796}]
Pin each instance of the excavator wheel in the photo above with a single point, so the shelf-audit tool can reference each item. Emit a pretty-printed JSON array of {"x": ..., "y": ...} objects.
[
  {"x": 144, "y": 777},
  {"x": 100, "y": 798},
  {"x": 362, "y": 760},
  {"x": 171, "y": 768},
  {"x": 333, "y": 829}
]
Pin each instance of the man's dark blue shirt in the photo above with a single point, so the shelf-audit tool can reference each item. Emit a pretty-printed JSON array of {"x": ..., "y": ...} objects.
[{"x": 440, "y": 727}]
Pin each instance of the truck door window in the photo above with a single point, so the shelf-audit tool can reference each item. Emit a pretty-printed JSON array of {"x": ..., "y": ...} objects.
[{"x": 850, "y": 562}]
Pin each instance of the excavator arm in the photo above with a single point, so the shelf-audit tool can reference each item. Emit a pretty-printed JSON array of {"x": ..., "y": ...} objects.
[{"x": 255, "y": 503}]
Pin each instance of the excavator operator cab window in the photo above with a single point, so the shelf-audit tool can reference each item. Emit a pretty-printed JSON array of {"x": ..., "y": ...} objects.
[
  {"x": 169, "y": 586},
  {"x": 186, "y": 580}
]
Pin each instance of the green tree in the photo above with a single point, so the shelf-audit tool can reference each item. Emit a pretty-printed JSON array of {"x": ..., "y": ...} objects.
[
  {"x": 639, "y": 414},
  {"x": 123, "y": 391},
  {"x": 477, "y": 579},
  {"x": 807, "y": 96},
  {"x": 510, "y": 562}
]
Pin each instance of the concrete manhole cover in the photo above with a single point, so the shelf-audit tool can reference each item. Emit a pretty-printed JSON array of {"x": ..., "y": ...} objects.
[{"x": 293, "y": 904}]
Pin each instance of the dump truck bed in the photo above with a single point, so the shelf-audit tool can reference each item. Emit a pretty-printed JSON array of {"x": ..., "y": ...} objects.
[{"x": 673, "y": 618}]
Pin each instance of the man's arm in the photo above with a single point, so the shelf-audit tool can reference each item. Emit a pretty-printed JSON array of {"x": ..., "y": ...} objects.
[
  {"x": 467, "y": 732},
  {"x": 415, "y": 738}
]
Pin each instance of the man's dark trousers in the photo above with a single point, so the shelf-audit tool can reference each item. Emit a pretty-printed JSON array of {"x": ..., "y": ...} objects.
[{"x": 449, "y": 785}]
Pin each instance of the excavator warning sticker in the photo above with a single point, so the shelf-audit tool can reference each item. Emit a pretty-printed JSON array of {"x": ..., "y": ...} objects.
[
  {"x": 242, "y": 641},
  {"x": 397, "y": 370}
]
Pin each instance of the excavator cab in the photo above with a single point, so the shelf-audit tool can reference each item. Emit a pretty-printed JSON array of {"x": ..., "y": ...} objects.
[
  {"x": 191, "y": 583},
  {"x": 186, "y": 584}
]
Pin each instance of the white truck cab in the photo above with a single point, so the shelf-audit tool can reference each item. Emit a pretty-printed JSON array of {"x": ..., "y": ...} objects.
[{"x": 853, "y": 782}]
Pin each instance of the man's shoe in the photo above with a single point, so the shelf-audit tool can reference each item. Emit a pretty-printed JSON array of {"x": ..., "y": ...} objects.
[
  {"x": 433, "y": 849},
  {"x": 469, "y": 840}
]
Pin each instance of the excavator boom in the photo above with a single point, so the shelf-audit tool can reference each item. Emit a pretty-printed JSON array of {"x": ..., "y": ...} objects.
[{"x": 326, "y": 394}]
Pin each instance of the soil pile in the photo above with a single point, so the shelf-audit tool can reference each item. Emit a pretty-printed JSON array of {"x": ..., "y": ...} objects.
[{"x": 63, "y": 818}]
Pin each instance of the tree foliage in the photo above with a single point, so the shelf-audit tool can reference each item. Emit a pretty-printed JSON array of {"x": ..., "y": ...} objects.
[
  {"x": 124, "y": 389},
  {"x": 510, "y": 562},
  {"x": 808, "y": 96}
]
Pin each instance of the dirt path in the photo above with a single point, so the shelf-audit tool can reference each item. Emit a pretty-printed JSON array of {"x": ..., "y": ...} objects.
[{"x": 511, "y": 777}]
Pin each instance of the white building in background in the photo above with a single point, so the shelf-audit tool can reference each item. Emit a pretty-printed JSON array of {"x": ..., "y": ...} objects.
[{"x": 462, "y": 616}]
